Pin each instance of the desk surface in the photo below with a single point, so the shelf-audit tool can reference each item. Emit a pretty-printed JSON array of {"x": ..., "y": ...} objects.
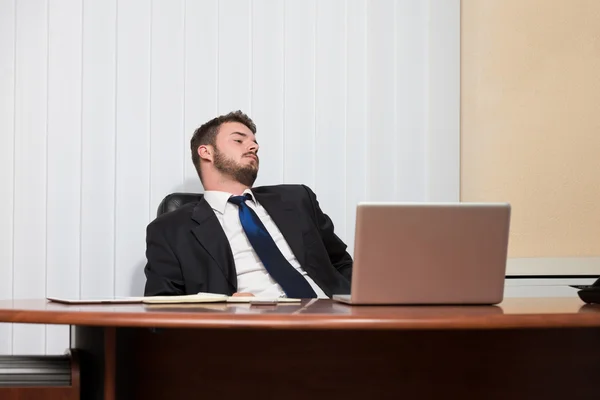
[{"x": 315, "y": 314}]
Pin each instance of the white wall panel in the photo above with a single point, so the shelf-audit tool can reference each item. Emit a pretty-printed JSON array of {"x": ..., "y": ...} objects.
[
  {"x": 330, "y": 111},
  {"x": 98, "y": 149},
  {"x": 299, "y": 92},
  {"x": 268, "y": 87},
  {"x": 7, "y": 115},
  {"x": 64, "y": 158},
  {"x": 200, "y": 78},
  {"x": 30, "y": 174},
  {"x": 443, "y": 144},
  {"x": 356, "y": 113},
  {"x": 412, "y": 30},
  {"x": 132, "y": 175},
  {"x": 381, "y": 100},
  {"x": 166, "y": 108},
  {"x": 235, "y": 47},
  {"x": 357, "y": 99}
]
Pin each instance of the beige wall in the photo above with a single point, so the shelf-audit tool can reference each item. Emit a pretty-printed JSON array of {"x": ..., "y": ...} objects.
[{"x": 530, "y": 119}]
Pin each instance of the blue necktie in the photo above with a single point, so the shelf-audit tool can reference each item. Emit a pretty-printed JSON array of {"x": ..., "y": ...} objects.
[{"x": 291, "y": 281}]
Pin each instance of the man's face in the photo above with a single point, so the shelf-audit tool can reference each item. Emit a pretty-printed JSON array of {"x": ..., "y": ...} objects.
[{"x": 236, "y": 153}]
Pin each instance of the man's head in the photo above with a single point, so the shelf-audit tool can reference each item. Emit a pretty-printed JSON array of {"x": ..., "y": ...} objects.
[{"x": 225, "y": 148}]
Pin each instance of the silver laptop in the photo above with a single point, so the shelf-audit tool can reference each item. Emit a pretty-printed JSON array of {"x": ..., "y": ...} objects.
[{"x": 429, "y": 253}]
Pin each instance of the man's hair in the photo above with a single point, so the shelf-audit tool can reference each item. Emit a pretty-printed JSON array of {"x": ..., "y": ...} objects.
[{"x": 207, "y": 133}]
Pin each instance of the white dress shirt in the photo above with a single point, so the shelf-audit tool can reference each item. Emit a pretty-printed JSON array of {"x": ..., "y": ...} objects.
[{"x": 252, "y": 277}]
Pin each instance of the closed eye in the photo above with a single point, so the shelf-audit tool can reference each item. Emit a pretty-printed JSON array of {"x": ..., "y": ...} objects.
[{"x": 239, "y": 141}]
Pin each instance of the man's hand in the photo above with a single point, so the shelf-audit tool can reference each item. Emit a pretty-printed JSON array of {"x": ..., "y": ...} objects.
[{"x": 242, "y": 294}]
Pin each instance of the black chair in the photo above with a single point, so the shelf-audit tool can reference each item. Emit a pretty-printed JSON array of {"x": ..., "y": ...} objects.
[{"x": 175, "y": 200}]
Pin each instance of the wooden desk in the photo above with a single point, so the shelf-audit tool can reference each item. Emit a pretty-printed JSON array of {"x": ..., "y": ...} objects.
[{"x": 524, "y": 348}]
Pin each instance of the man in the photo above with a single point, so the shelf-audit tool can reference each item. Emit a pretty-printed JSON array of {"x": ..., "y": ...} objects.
[{"x": 270, "y": 241}]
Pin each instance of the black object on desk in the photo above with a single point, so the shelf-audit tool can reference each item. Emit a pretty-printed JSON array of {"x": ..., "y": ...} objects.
[{"x": 589, "y": 293}]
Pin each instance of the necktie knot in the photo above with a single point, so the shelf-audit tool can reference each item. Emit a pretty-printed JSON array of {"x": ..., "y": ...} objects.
[{"x": 238, "y": 200}]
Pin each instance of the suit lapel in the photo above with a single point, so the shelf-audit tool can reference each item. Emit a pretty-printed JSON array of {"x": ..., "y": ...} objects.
[
  {"x": 211, "y": 236},
  {"x": 286, "y": 218}
]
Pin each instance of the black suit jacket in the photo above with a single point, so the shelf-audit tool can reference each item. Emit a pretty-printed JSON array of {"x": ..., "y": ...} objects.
[{"x": 188, "y": 252}]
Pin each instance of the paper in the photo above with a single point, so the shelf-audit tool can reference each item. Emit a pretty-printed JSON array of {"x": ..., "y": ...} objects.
[
  {"x": 192, "y": 298},
  {"x": 124, "y": 300}
]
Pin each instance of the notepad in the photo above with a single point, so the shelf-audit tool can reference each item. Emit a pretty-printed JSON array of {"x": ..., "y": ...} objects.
[
  {"x": 261, "y": 300},
  {"x": 192, "y": 298}
]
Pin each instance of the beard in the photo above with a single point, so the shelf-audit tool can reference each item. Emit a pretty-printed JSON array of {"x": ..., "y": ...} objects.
[{"x": 244, "y": 174}]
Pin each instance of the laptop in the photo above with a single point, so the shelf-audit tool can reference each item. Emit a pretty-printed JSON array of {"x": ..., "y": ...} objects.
[{"x": 429, "y": 253}]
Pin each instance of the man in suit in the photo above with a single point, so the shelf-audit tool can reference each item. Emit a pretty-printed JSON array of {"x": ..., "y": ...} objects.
[{"x": 268, "y": 241}]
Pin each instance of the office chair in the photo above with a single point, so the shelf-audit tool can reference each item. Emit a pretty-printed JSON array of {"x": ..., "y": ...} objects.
[{"x": 175, "y": 200}]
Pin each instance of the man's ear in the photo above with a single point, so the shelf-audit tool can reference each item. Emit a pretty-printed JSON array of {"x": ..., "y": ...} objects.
[{"x": 205, "y": 152}]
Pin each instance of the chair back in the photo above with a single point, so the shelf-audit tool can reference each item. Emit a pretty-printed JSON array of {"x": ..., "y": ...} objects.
[{"x": 175, "y": 200}]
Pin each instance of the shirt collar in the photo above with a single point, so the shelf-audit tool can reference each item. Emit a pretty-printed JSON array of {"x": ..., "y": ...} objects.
[{"x": 218, "y": 200}]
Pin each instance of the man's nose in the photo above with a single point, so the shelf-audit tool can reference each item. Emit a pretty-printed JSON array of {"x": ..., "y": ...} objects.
[{"x": 254, "y": 147}]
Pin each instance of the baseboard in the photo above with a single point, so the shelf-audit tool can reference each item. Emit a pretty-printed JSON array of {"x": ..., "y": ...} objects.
[{"x": 553, "y": 267}]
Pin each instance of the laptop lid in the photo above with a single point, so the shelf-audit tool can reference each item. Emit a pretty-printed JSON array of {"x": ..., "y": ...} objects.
[{"x": 430, "y": 253}]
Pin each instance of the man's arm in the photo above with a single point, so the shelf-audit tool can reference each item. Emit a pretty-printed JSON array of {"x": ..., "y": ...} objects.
[
  {"x": 163, "y": 271},
  {"x": 336, "y": 248}
]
